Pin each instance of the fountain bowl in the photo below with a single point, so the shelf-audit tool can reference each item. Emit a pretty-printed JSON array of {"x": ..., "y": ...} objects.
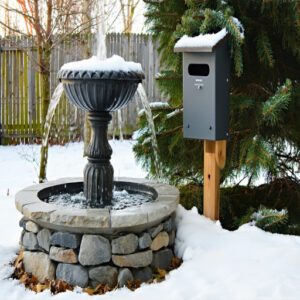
[{"x": 100, "y": 91}]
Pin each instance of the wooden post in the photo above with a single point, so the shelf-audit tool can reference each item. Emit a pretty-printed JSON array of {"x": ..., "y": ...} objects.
[{"x": 214, "y": 161}]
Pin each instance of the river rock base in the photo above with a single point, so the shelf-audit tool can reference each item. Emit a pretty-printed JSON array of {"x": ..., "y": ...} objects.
[{"x": 92, "y": 259}]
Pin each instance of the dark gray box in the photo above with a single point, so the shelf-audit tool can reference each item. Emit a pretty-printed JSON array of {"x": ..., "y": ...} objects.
[{"x": 206, "y": 72}]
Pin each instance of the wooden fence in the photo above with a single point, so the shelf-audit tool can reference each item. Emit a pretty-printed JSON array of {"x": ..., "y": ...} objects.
[{"x": 20, "y": 100}]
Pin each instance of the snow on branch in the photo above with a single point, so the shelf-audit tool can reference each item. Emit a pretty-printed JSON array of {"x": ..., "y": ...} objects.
[
  {"x": 155, "y": 105},
  {"x": 174, "y": 113}
]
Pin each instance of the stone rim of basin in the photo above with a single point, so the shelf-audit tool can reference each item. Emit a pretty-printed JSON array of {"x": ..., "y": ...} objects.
[{"x": 100, "y": 220}]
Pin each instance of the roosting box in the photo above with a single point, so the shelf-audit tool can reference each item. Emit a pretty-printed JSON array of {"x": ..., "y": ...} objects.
[{"x": 206, "y": 70}]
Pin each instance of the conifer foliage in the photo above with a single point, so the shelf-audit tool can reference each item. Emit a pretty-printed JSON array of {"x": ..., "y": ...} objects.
[
  {"x": 270, "y": 219},
  {"x": 264, "y": 41}
]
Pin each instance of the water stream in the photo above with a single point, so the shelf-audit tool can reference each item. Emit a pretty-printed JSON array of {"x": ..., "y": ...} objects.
[
  {"x": 56, "y": 96},
  {"x": 101, "y": 32},
  {"x": 148, "y": 112},
  {"x": 50, "y": 113}
]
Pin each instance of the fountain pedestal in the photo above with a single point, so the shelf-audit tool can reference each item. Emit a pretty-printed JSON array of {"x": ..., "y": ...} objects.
[{"x": 98, "y": 173}]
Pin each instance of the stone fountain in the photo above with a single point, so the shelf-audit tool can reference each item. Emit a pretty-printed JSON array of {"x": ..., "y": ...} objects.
[{"x": 97, "y": 244}]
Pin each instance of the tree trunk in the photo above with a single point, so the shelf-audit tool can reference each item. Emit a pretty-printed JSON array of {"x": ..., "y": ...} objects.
[
  {"x": 44, "y": 72},
  {"x": 87, "y": 53},
  {"x": 45, "y": 83}
]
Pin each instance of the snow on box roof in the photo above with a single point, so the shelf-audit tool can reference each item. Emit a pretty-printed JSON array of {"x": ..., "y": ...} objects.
[
  {"x": 114, "y": 63},
  {"x": 200, "y": 43}
]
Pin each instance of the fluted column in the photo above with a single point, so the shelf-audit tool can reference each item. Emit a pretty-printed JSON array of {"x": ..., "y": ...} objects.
[{"x": 98, "y": 173}]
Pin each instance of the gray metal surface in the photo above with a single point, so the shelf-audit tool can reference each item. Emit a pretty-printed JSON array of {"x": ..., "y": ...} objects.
[
  {"x": 222, "y": 92},
  {"x": 205, "y": 114}
]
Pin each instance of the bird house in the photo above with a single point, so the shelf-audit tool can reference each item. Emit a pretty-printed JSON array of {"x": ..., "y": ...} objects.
[{"x": 206, "y": 70}]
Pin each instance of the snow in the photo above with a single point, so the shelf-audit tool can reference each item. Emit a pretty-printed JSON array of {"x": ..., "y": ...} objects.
[
  {"x": 114, "y": 63},
  {"x": 174, "y": 113},
  {"x": 208, "y": 40},
  {"x": 159, "y": 105},
  {"x": 239, "y": 25},
  {"x": 155, "y": 105},
  {"x": 217, "y": 264}
]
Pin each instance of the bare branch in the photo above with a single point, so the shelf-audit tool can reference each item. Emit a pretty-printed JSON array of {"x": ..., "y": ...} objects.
[
  {"x": 37, "y": 24},
  {"x": 49, "y": 18},
  {"x": 114, "y": 20},
  {"x": 11, "y": 28},
  {"x": 64, "y": 36},
  {"x": 16, "y": 11}
]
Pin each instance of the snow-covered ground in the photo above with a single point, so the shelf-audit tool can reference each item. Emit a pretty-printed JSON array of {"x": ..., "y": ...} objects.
[{"x": 217, "y": 264}]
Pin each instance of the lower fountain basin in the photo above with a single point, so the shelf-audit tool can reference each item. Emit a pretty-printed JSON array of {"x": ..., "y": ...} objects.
[{"x": 30, "y": 202}]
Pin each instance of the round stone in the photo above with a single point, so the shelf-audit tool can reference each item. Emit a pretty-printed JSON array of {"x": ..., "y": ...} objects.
[
  {"x": 169, "y": 224},
  {"x": 124, "y": 277},
  {"x": 32, "y": 227},
  {"x": 73, "y": 274},
  {"x": 43, "y": 238},
  {"x": 160, "y": 241},
  {"x": 162, "y": 259},
  {"x": 29, "y": 241},
  {"x": 142, "y": 274},
  {"x": 104, "y": 275},
  {"x": 154, "y": 231},
  {"x": 63, "y": 255},
  {"x": 65, "y": 239},
  {"x": 145, "y": 240},
  {"x": 125, "y": 244},
  {"x": 39, "y": 265},
  {"x": 94, "y": 250},
  {"x": 135, "y": 260}
]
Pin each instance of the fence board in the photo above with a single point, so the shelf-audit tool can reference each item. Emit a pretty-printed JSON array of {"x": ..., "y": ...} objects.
[{"x": 20, "y": 94}]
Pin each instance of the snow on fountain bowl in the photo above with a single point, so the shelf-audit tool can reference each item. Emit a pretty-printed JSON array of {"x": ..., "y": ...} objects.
[{"x": 92, "y": 243}]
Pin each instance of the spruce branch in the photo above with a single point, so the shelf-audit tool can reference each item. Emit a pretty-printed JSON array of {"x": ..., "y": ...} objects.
[
  {"x": 264, "y": 49},
  {"x": 270, "y": 219},
  {"x": 273, "y": 108},
  {"x": 257, "y": 155}
]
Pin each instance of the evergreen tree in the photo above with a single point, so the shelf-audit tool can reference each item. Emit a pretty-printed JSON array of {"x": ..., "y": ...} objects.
[{"x": 264, "y": 40}]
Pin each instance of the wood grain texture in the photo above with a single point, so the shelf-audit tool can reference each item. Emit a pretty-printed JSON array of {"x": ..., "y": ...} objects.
[{"x": 214, "y": 161}]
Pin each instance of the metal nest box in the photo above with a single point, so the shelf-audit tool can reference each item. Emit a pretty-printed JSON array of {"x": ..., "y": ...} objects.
[{"x": 206, "y": 71}]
